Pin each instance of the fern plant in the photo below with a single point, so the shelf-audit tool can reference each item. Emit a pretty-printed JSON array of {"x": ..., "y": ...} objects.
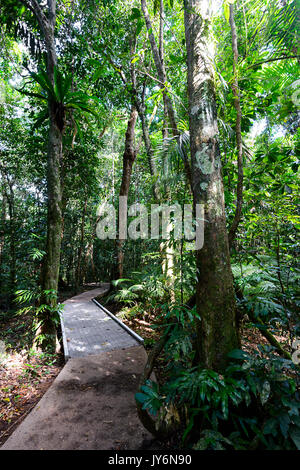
[
  {"x": 261, "y": 290},
  {"x": 68, "y": 104},
  {"x": 254, "y": 404},
  {"x": 36, "y": 303}
]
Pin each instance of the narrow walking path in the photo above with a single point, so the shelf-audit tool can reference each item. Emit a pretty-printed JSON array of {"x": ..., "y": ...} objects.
[
  {"x": 90, "y": 405},
  {"x": 88, "y": 330}
]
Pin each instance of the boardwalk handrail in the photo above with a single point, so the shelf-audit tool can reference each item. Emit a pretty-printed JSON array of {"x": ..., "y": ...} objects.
[{"x": 125, "y": 327}]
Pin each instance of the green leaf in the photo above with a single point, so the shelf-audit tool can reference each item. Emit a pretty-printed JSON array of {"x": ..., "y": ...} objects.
[
  {"x": 135, "y": 59},
  {"x": 189, "y": 427},
  {"x": 34, "y": 95},
  {"x": 156, "y": 6},
  {"x": 136, "y": 13},
  {"x": 43, "y": 115},
  {"x": 238, "y": 354},
  {"x": 58, "y": 84},
  {"x": 265, "y": 392},
  {"x": 226, "y": 7},
  {"x": 226, "y": 11},
  {"x": 139, "y": 27},
  {"x": 284, "y": 422},
  {"x": 295, "y": 436},
  {"x": 97, "y": 74},
  {"x": 141, "y": 397},
  {"x": 225, "y": 405}
]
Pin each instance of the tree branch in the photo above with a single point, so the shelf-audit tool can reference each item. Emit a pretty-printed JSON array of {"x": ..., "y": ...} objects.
[
  {"x": 272, "y": 60},
  {"x": 36, "y": 9}
]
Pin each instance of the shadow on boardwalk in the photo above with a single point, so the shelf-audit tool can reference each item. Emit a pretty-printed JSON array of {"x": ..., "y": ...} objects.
[{"x": 90, "y": 405}]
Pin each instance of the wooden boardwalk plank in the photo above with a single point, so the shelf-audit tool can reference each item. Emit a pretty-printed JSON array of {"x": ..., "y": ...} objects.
[{"x": 87, "y": 330}]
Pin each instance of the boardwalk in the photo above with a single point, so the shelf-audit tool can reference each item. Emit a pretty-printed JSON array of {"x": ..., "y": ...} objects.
[
  {"x": 90, "y": 405},
  {"x": 87, "y": 330}
]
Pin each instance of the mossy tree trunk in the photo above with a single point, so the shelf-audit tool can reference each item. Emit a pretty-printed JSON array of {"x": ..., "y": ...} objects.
[{"x": 217, "y": 331}]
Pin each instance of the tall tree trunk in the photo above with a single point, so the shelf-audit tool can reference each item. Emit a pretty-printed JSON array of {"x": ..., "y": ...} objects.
[
  {"x": 140, "y": 106},
  {"x": 162, "y": 76},
  {"x": 9, "y": 198},
  {"x": 160, "y": 68},
  {"x": 128, "y": 160},
  {"x": 51, "y": 262},
  {"x": 2, "y": 234},
  {"x": 54, "y": 215},
  {"x": 12, "y": 245},
  {"x": 149, "y": 151},
  {"x": 162, "y": 59},
  {"x": 54, "y": 192},
  {"x": 217, "y": 331},
  {"x": 166, "y": 247},
  {"x": 238, "y": 131},
  {"x": 47, "y": 20},
  {"x": 78, "y": 271}
]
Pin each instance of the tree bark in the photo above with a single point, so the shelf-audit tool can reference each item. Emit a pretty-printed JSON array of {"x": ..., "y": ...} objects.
[
  {"x": 217, "y": 330},
  {"x": 78, "y": 271},
  {"x": 51, "y": 262},
  {"x": 12, "y": 258},
  {"x": 2, "y": 234},
  {"x": 149, "y": 151},
  {"x": 9, "y": 198}
]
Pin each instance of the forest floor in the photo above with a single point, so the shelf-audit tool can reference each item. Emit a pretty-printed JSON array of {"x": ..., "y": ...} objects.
[
  {"x": 26, "y": 375},
  {"x": 143, "y": 324}
]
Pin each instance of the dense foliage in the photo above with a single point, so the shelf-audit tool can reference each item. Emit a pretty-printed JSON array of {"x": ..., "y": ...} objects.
[{"x": 105, "y": 69}]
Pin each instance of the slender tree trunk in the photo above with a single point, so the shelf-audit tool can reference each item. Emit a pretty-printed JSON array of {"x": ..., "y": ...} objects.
[
  {"x": 217, "y": 331},
  {"x": 54, "y": 215},
  {"x": 9, "y": 198},
  {"x": 12, "y": 245},
  {"x": 128, "y": 161},
  {"x": 89, "y": 259},
  {"x": 166, "y": 247},
  {"x": 238, "y": 131},
  {"x": 78, "y": 272},
  {"x": 46, "y": 17},
  {"x": 54, "y": 190},
  {"x": 2, "y": 234},
  {"x": 51, "y": 262},
  {"x": 162, "y": 59},
  {"x": 160, "y": 68},
  {"x": 149, "y": 151},
  {"x": 140, "y": 106},
  {"x": 162, "y": 76}
]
